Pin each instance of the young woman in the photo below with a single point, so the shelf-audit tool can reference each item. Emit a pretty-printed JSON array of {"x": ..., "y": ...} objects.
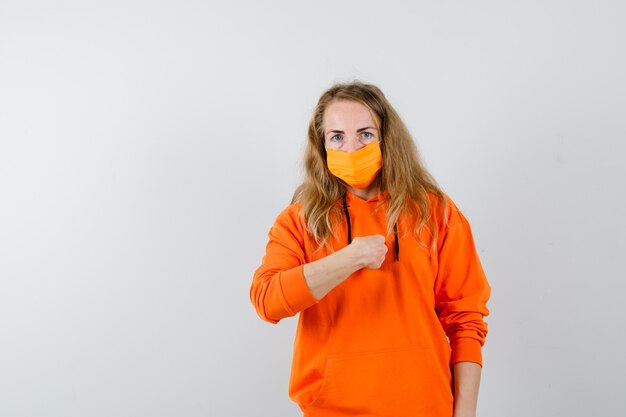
[{"x": 382, "y": 267}]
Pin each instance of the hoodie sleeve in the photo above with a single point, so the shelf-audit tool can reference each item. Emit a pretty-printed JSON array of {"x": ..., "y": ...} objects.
[
  {"x": 461, "y": 290},
  {"x": 279, "y": 288}
]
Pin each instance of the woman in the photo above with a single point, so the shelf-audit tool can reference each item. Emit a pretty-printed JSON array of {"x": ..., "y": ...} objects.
[{"x": 382, "y": 267}]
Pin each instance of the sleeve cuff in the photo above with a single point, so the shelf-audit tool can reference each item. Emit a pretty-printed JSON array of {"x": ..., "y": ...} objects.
[
  {"x": 466, "y": 350},
  {"x": 296, "y": 293}
]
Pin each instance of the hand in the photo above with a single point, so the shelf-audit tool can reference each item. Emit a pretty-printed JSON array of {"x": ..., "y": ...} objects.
[{"x": 371, "y": 250}]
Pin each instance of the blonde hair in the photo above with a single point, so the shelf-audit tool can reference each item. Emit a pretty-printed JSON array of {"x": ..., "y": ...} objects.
[{"x": 403, "y": 175}]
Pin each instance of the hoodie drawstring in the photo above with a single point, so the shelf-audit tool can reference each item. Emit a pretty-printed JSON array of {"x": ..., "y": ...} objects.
[{"x": 395, "y": 228}]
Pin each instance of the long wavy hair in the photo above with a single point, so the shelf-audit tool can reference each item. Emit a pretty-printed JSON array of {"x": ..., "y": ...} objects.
[{"x": 403, "y": 175}]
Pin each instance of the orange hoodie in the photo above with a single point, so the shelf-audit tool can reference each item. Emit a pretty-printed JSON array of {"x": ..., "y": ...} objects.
[{"x": 381, "y": 343}]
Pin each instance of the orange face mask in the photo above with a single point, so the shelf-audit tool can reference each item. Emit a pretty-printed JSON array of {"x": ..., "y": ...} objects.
[{"x": 359, "y": 168}]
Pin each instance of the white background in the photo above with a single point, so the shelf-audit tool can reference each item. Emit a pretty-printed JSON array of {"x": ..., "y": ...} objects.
[{"x": 146, "y": 148}]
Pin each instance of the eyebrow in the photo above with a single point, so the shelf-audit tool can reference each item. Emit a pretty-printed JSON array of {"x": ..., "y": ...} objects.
[{"x": 359, "y": 130}]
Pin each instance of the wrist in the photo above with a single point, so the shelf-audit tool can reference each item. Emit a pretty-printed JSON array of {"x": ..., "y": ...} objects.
[{"x": 353, "y": 259}]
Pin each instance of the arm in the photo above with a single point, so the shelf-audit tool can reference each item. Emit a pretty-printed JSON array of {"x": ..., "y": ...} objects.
[
  {"x": 325, "y": 274},
  {"x": 461, "y": 294},
  {"x": 285, "y": 284},
  {"x": 466, "y": 384}
]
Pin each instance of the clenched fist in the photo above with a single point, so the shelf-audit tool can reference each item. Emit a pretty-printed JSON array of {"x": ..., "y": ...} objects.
[{"x": 370, "y": 250}]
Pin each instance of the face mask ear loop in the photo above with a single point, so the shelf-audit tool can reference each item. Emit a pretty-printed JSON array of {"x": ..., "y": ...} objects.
[
  {"x": 395, "y": 235},
  {"x": 345, "y": 210}
]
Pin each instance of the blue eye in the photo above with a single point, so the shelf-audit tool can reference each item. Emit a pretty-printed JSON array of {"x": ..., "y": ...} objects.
[
  {"x": 367, "y": 135},
  {"x": 335, "y": 138}
]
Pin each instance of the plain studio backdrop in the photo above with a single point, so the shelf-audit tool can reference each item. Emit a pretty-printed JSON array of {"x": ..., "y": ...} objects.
[{"x": 146, "y": 148}]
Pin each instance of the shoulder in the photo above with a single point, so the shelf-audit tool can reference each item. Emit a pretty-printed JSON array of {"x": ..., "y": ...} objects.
[
  {"x": 290, "y": 220},
  {"x": 444, "y": 211},
  {"x": 291, "y": 212}
]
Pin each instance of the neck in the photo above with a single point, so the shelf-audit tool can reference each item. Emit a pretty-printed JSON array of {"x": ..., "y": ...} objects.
[{"x": 365, "y": 193}]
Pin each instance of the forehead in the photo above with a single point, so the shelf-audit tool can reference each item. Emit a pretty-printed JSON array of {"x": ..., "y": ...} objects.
[{"x": 347, "y": 115}]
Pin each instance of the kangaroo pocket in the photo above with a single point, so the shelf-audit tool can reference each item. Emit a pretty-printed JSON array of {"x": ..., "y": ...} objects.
[{"x": 396, "y": 382}]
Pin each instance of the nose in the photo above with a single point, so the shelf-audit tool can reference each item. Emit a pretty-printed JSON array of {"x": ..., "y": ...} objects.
[{"x": 353, "y": 144}]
